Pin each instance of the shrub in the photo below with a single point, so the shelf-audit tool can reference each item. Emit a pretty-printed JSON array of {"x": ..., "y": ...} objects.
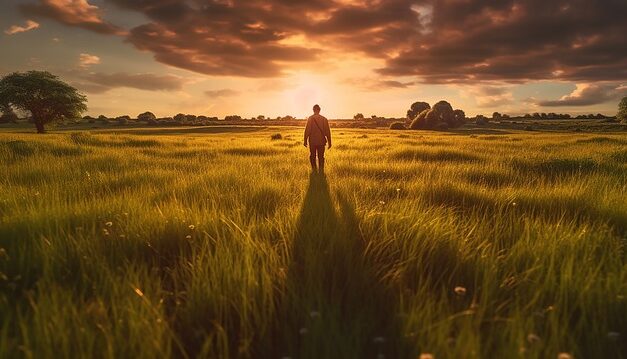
[
  {"x": 397, "y": 126},
  {"x": 528, "y": 128},
  {"x": 481, "y": 120},
  {"x": 122, "y": 120},
  {"x": 276, "y": 136},
  {"x": 622, "y": 110},
  {"x": 146, "y": 116},
  {"x": 233, "y": 118},
  {"x": 103, "y": 119},
  {"x": 7, "y": 115},
  {"x": 441, "y": 126}
]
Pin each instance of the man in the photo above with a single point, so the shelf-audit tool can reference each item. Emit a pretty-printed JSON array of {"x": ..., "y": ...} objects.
[{"x": 317, "y": 133}]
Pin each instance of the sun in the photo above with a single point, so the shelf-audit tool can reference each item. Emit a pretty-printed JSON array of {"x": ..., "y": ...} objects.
[{"x": 309, "y": 89}]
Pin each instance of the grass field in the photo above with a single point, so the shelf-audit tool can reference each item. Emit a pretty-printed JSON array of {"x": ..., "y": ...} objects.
[{"x": 219, "y": 243}]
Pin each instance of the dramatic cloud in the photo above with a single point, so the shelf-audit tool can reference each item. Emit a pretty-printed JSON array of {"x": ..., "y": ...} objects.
[
  {"x": 222, "y": 93},
  {"x": 86, "y": 60},
  {"x": 588, "y": 94},
  {"x": 99, "y": 82},
  {"x": 73, "y": 13},
  {"x": 518, "y": 40},
  {"x": 436, "y": 41},
  {"x": 15, "y": 29}
]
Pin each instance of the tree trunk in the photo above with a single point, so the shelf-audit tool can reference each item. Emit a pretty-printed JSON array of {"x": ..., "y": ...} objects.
[{"x": 40, "y": 127}]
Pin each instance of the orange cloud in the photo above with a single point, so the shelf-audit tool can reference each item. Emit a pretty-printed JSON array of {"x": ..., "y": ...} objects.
[
  {"x": 86, "y": 60},
  {"x": 15, "y": 29},
  {"x": 78, "y": 13}
]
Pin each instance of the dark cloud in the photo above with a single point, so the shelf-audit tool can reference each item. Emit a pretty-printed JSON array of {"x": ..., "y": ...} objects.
[
  {"x": 100, "y": 82},
  {"x": 222, "y": 93},
  {"x": 78, "y": 13},
  {"x": 520, "y": 40},
  {"x": 437, "y": 41},
  {"x": 588, "y": 94}
]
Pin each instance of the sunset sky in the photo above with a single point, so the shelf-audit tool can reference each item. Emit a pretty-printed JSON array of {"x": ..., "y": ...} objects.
[{"x": 279, "y": 57}]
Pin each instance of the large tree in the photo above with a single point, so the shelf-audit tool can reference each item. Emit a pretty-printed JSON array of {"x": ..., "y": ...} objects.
[
  {"x": 42, "y": 94},
  {"x": 622, "y": 110}
]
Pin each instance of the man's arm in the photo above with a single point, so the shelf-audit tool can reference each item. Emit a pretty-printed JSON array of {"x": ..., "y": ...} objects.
[
  {"x": 327, "y": 129},
  {"x": 307, "y": 132}
]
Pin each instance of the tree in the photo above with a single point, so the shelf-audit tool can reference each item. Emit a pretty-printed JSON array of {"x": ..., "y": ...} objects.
[
  {"x": 146, "y": 116},
  {"x": 416, "y": 108},
  {"x": 622, "y": 110},
  {"x": 42, "y": 94},
  {"x": 358, "y": 117},
  {"x": 496, "y": 116},
  {"x": 441, "y": 116}
]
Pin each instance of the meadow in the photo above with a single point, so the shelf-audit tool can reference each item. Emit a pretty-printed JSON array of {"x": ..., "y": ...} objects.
[{"x": 217, "y": 242}]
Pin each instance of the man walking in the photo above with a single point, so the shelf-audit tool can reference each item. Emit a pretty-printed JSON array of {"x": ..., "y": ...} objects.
[{"x": 317, "y": 133}]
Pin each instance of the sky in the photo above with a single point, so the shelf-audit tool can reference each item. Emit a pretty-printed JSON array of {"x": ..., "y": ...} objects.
[{"x": 279, "y": 57}]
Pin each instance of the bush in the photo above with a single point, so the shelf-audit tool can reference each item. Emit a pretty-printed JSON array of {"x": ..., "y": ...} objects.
[
  {"x": 528, "y": 128},
  {"x": 397, "y": 126},
  {"x": 122, "y": 120},
  {"x": 146, "y": 116},
  {"x": 276, "y": 136},
  {"x": 481, "y": 120},
  {"x": 8, "y": 115},
  {"x": 622, "y": 110}
]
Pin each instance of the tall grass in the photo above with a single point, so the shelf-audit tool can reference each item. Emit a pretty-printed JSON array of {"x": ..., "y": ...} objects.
[{"x": 223, "y": 245}]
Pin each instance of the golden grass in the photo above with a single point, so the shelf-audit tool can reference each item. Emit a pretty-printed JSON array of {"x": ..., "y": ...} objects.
[{"x": 161, "y": 242}]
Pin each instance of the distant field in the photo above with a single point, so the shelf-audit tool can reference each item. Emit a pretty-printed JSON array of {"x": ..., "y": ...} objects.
[{"x": 216, "y": 242}]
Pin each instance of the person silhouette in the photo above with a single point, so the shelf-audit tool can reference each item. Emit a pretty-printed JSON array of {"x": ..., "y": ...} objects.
[{"x": 317, "y": 134}]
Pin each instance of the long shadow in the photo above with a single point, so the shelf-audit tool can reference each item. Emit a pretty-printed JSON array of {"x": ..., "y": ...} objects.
[{"x": 334, "y": 305}]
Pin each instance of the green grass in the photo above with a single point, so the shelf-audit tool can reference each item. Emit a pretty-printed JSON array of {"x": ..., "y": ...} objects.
[{"x": 177, "y": 243}]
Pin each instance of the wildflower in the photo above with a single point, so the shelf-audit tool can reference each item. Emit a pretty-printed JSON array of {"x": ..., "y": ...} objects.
[
  {"x": 398, "y": 190},
  {"x": 105, "y": 231},
  {"x": 378, "y": 340},
  {"x": 461, "y": 291},
  {"x": 564, "y": 356},
  {"x": 381, "y": 202},
  {"x": 188, "y": 236},
  {"x": 613, "y": 335},
  {"x": 514, "y": 204},
  {"x": 533, "y": 338},
  {"x": 139, "y": 292},
  {"x": 109, "y": 224},
  {"x": 426, "y": 356},
  {"x": 191, "y": 226},
  {"x": 314, "y": 314},
  {"x": 303, "y": 331}
]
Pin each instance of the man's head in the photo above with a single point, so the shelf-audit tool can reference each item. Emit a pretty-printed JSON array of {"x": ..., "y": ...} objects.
[{"x": 316, "y": 109}]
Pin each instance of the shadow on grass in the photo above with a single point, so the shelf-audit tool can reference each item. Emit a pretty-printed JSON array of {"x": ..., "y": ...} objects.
[{"x": 334, "y": 305}]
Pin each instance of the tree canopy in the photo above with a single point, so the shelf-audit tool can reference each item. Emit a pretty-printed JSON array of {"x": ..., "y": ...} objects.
[{"x": 42, "y": 94}]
